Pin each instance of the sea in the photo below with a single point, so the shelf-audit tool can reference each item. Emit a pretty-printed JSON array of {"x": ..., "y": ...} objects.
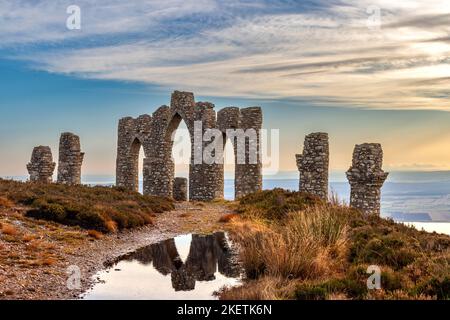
[{"x": 420, "y": 199}]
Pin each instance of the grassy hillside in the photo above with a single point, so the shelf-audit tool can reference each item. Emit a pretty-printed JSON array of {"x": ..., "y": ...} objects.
[
  {"x": 98, "y": 208},
  {"x": 294, "y": 246}
]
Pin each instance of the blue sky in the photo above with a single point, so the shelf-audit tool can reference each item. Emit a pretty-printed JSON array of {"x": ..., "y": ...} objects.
[{"x": 312, "y": 66}]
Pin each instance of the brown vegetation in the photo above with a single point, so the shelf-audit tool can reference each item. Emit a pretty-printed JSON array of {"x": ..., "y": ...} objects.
[
  {"x": 228, "y": 218},
  {"x": 272, "y": 205},
  {"x": 5, "y": 202},
  {"x": 296, "y": 247},
  {"x": 8, "y": 229},
  {"x": 103, "y": 209},
  {"x": 95, "y": 234}
]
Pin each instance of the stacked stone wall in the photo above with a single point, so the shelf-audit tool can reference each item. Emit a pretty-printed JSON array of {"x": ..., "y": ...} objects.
[
  {"x": 366, "y": 178},
  {"x": 313, "y": 165},
  {"x": 180, "y": 189},
  {"x": 41, "y": 165},
  {"x": 248, "y": 175},
  {"x": 70, "y": 159}
]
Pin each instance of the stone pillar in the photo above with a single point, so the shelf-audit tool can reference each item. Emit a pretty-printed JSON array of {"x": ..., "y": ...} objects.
[
  {"x": 41, "y": 166},
  {"x": 366, "y": 178},
  {"x": 180, "y": 186},
  {"x": 70, "y": 159},
  {"x": 248, "y": 175},
  {"x": 204, "y": 176},
  {"x": 313, "y": 165}
]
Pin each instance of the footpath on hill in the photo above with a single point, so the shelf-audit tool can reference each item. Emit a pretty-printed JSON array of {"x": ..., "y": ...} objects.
[{"x": 37, "y": 257}]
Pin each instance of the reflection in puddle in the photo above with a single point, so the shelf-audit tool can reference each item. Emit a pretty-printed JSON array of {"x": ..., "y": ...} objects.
[{"x": 186, "y": 267}]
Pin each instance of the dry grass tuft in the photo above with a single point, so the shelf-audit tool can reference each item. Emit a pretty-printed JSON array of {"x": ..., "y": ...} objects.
[
  {"x": 323, "y": 250},
  {"x": 35, "y": 245},
  {"x": 307, "y": 245},
  {"x": 111, "y": 226},
  {"x": 229, "y": 217},
  {"x": 49, "y": 261},
  {"x": 28, "y": 237},
  {"x": 95, "y": 234},
  {"x": 184, "y": 215},
  {"x": 275, "y": 205},
  {"x": 6, "y": 203},
  {"x": 267, "y": 288},
  {"x": 8, "y": 229}
]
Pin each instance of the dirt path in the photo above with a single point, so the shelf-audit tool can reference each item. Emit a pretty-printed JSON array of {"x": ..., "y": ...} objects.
[{"x": 35, "y": 255}]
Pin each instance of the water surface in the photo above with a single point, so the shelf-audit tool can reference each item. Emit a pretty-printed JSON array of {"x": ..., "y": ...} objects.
[{"x": 185, "y": 267}]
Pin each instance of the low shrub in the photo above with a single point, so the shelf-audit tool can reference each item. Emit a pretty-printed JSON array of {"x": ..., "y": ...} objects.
[
  {"x": 228, "y": 217},
  {"x": 105, "y": 209},
  {"x": 5, "y": 203},
  {"x": 306, "y": 245},
  {"x": 275, "y": 204},
  {"x": 8, "y": 229},
  {"x": 95, "y": 234},
  {"x": 266, "y": 288},
  {"x": 439, "y": 288},
  {"x": 325, "y": 250},
  {"x": 310, "y": 292}
]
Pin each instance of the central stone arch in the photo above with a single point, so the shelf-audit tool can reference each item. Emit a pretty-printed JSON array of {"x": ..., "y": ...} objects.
[
  {"x": 155, "y": 134},
  {"x": 160, "y": 166}
]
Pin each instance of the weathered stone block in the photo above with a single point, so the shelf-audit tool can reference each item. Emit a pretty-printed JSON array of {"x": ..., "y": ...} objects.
[
  {"x": 180, "y": 189},
  {"x": 313, "y": 165},
  {"x": 41, "y": 166},
  {"x": 70, "y": 159},
  {"x": 366, "y": 178}
]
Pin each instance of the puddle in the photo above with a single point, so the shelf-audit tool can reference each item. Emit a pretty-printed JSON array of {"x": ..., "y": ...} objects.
[{"x": 185, "y": 267}]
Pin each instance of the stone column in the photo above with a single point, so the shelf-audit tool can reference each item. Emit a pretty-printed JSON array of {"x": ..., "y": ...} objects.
[
  {"x": 248, "y": 175},
  {"x": 70, "y": 159},
  {"x": 180, "y": 186},
  {"x": 313, "y": 165},
  {"x": 366, "y": 178},
  {"x": 41, "y": 166},
  {"x": 203, "y": 175}
]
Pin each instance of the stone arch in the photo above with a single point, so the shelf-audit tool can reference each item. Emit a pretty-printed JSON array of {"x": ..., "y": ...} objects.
[
  {"x": 155, "y": 132},
  {"x": 134, "y": 150},
  {"x": 172, "y": 127},
  {"x": 228, "y": 119},
  {"x": 247, "y": 176},
  {"x": 160, "y": 166},
  {"x": 132, "y": 135}
]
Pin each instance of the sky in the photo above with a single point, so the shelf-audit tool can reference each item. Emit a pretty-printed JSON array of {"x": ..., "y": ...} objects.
[{"x": 363, "y": 71}]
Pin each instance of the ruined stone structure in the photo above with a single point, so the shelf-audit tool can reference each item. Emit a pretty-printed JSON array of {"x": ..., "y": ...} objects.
[
  {"x": 70, "y": 159},
  {"x": 154, "y": 134},
  {"x": 41, "y": 166},
  {"x": 180, "y": 192},
  {"x": 207, "y": 255},
  {"x": 366, "y": 178},
  {"x": 248, "y": 171},
  {"x": 313, "y": 165}
]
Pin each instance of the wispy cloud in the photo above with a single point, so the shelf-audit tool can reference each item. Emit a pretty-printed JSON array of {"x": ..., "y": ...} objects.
[{"x": 317, "y": 51}]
